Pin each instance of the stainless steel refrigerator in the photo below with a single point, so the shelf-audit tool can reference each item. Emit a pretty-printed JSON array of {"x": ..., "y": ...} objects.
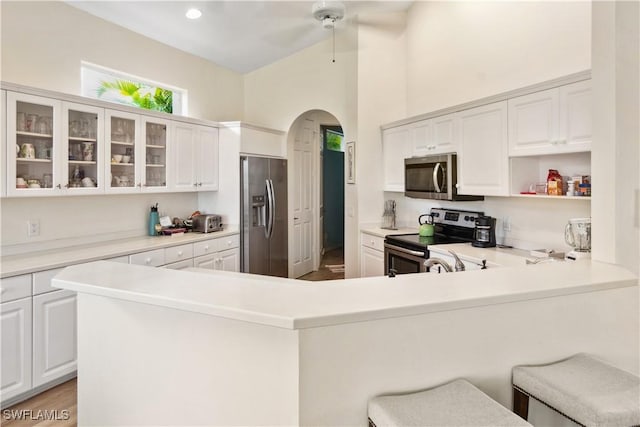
[{"x": 263, "y": 207}]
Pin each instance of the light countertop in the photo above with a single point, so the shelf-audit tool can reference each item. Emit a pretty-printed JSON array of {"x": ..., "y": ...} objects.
[
  {"x": 496, "y": 257},
  {"x": 296, "y": 304},
  {"x": 45, "y": 260},
  {"x": 384, "y": 232}
]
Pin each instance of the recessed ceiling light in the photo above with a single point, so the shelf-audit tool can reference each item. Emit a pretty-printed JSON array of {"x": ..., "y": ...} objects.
[{"x": 193, "y": 13}]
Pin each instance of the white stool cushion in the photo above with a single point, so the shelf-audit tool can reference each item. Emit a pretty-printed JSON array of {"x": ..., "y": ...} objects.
[
  {"x": 457, "y": 403},
  {"x": 585, "y": 389}
]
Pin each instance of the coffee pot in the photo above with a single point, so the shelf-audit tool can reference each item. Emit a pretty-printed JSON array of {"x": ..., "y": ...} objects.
[
  {"x": 484, "y": 235},
  {"x": 577, "y": 234}
]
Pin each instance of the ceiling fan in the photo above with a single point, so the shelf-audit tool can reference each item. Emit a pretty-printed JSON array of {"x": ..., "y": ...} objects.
[{"x": 328, "y": 12}]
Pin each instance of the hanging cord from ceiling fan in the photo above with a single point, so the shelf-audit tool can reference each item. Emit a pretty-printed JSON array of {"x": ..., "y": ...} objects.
[{"x": 333, "y": 29}]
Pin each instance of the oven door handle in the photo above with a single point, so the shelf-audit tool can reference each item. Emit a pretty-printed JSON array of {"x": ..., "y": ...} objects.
[
  {"x": 407, "y": 251},
  {"x": 436, "y": 183}
]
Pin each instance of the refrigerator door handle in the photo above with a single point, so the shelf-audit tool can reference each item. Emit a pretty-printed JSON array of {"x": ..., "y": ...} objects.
[
  {"x": 272, "y": 208},
  {"x": 266, "y": 212}
]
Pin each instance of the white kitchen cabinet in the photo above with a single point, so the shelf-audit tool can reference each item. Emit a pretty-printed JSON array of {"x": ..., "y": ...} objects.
[
  {"x": 34, "y": 152},
  {"x": 552, "y": 121},
  {"x": 420, "y": 134},
  {"x": 3, "y": 141},
  {"x": 178, "y": 253},
  {"x": 180, "y": 265},
  {"x": 156, "y": 135},
  {"x": 82, "y": 149},
  {"x": 42, "y": 281},
  {"x": 16, "y": 341},
  {"x": 435, "y": 136},
  {"x": 371, "y": 262},
  {"x": 396, "y": 146},
  {"x": 371, "y": 255},
  {"x": 218, "y": 254},
  {"x": 205, "y": 261},
  {"x": 122, "y": 131},
  {"x": 137, "y": 149},
  {"x": 229, "y": 260},
  {"x": 154, "y": 258},
  {"x": 54, "y": 336},
  {"x": 195, "y": 158},
  {"x": 483, "y": 162},
  {"x": 16, "y": 287},
  {"x": 445, "y": 134}
]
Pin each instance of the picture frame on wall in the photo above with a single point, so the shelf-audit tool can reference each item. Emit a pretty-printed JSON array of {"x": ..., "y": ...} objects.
[{"x": 351, "y": 162}]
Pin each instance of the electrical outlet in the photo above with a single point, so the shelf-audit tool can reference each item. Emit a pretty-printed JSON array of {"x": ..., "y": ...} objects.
[
  {"x": 506, "y": 224},
  {"x": 33, "y": 227}
]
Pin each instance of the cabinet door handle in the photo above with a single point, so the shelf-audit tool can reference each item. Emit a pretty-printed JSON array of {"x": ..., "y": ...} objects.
[
  {"x": 195, "y": 184},
  {"x": 147, "y": 261},
  {"x": 2, "y": 290},
  {"x": 60, "y": 186},
  {"x": 206, "y": 248},
  {"x": 179, "y": 253}
]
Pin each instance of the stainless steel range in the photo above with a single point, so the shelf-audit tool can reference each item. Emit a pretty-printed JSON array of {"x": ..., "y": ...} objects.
[{"x": 406, "y": 253}]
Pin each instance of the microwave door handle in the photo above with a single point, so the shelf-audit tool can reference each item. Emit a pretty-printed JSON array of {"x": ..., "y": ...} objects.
[{"x": 436, "y": 183}]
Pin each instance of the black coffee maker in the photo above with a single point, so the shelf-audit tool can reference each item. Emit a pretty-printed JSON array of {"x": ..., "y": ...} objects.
[{"x": 484, "y": 235}]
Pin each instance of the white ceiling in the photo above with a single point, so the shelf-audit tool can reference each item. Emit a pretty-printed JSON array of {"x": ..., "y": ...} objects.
[{"x": 239, "y": 35}]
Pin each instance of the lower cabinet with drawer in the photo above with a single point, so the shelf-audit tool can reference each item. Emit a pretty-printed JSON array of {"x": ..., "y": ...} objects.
[
  {"x": 15, "y": 320},
  {"x": 371, "y": 255},
  {"x": 38, "y": 334},
  {"x": 218, "y": 254},
  {"x": 54, "y": 336}
]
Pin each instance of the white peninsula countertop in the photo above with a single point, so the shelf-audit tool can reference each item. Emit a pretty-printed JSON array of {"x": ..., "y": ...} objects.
[
  {"x": 196, "y": 347},
  {"x": 295, "y": 304}
]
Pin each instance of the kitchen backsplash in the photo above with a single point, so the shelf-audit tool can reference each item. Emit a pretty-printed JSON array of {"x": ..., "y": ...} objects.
[
  {"x": 535, "y": 223},
  {"x": 67, "y": 221}
]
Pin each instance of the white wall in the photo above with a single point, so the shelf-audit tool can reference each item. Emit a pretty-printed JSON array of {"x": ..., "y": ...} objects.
[
  {"x": 276, "y": 95},
  {"x": 616, "y": 146},
  {"x": 84, "y": 219},
  {"x": 44, "y": 42},
  {"x": 462, "y": 51},
  {"x": 42, "y": 46}
]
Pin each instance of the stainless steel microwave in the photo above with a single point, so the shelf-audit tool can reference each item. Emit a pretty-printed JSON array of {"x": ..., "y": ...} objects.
[{"x": 433, "y": 177}]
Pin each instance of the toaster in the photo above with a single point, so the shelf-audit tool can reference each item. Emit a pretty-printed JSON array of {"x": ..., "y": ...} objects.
[{"x": 206, "y": 223}]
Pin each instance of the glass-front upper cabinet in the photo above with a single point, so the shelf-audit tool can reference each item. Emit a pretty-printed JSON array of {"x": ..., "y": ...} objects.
[
  {"x": 122, "y": 131},
  {"x": 83, "y": 139},
  {"x": 34, "y": 165},
  {"x": 155, "y": 134}
]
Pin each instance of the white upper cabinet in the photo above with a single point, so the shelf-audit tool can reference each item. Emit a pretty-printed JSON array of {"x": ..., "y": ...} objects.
[
  {"x": 553, "y": 121},
  {"x": 483, "y": 163},
  {"x": 123, "y": 149},
  {"x": 156, "y": 136},
  {"x": 396, "y": 146},
  {"x": 207, "y": 151},
  {"x": 3, "y": 141},
  {"x": 445, "y": 134},
  {"x": 34, "y": 152},
  {"x": 83, "y": 144},
  {"x": 420, "y": 135},
  {"x": 576, "y": 116},
  {"x": 195, "y": 157},
  {"x": 434, "y": 136}
]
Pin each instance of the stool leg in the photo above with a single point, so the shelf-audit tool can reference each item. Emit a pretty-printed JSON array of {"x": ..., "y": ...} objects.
[{"x": 520, "y": 403}]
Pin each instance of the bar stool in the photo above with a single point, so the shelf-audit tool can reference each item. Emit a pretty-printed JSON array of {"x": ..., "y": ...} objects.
[
  {"x": 458, "y": 403},
  {"x": 582, "y": 388}
]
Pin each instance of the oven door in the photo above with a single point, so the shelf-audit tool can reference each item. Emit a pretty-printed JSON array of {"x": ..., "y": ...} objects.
[{"x": 403, "y": 261}]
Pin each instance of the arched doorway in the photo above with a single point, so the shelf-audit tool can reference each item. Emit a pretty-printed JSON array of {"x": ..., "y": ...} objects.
[{"x": 316, "y": 196}]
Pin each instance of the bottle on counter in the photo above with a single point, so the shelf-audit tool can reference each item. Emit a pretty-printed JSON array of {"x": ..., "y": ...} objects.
[{"x": 153, "y": 220}]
